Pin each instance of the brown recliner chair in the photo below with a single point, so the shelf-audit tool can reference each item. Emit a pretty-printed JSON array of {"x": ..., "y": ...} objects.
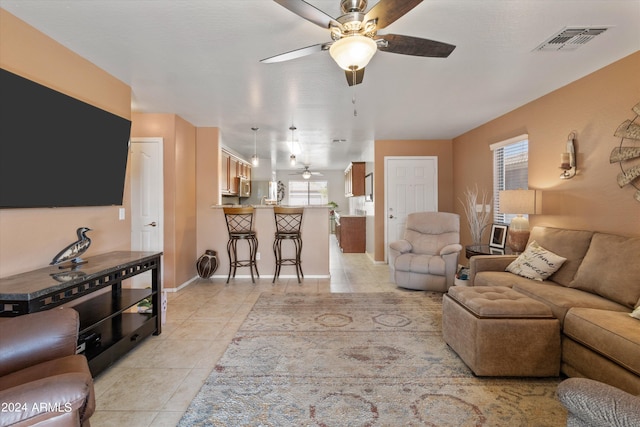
[{"x": 42, "y": 380}]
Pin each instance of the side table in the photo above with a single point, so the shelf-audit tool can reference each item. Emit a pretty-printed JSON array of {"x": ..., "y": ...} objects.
[{"x": 472, "y": 250}]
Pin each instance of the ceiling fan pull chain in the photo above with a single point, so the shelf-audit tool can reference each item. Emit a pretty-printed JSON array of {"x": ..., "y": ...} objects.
[{"x": 353, "y": 99}]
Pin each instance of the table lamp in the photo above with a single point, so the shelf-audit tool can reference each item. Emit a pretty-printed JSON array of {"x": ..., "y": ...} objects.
[{"x": 518, "y": 202}]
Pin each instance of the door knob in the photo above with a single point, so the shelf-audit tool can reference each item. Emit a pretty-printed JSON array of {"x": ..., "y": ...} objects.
[
  {"x": 390, "y": 216},
  {"x": 153, "y": 224}
]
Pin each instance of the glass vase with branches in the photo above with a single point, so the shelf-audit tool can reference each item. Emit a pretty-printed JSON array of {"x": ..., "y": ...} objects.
[{"x": 477, "y": 208}]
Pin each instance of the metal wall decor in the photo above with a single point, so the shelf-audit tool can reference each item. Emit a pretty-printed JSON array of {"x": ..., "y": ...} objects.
[
  {"x": 627, "y": 154},
  {"x": 568, "y": 158}
]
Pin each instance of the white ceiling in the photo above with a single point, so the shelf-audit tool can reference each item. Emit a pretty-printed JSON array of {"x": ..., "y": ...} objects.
[{"x": 200, "y": 60}]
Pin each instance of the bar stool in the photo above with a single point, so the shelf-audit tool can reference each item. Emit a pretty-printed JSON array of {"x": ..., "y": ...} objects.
[
  {"x": 288, "y": 223},
  {"x": 240, "y": 227}
]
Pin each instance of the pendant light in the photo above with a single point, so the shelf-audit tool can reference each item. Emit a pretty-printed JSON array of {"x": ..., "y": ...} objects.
[
  {"x": 292, "y": 157},
  {"x": 254, "y": 159}
]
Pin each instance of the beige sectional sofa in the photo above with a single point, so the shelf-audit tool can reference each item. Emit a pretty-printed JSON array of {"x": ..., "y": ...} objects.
[{"x": 592, "y": 295}]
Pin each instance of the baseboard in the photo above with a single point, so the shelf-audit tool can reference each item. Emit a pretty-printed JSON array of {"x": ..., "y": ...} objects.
[
  {"x": 270, "y": 276},
  {"x": 184, "y": 285},
  {"x": 246, "y": 276}
]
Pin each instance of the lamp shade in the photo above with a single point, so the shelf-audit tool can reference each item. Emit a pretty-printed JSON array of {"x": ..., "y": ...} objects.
[
  {"x": 306, "y": 174},
  {"x": 518, "y": 202},
  {"x": 353, "y": 52}
]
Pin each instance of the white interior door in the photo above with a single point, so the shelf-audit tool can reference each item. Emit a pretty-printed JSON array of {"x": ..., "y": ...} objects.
[
  {"x": 146, "y": 198},
  {"x": 411, "y": 185}
]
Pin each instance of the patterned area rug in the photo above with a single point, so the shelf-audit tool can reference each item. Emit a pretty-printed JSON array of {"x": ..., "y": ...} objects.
[{"x": 359, "y": 360}]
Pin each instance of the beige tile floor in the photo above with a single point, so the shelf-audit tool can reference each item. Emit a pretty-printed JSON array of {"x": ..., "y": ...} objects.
[{"x": 154, "y": 384}]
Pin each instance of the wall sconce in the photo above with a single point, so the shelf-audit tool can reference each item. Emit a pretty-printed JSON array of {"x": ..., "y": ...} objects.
[{"x": 568, "y": 159}]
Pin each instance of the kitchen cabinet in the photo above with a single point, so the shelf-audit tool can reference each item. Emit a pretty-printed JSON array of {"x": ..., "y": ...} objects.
[
  {"x": 225, "y": 181},
  {"x": 231, "y": 168},
  {"x": 244, "y": 170},
  {"x": 351, "y": 233},
  {"x": 354, "y": 179},
  {"x": 233, "y": 174}
]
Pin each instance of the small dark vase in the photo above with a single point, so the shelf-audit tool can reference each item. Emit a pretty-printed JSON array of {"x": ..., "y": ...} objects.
[{"x": 207, "y": 264}]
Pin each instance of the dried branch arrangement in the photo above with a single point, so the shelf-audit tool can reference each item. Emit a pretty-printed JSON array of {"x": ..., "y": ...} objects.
[{"x": 475, "y": 208}]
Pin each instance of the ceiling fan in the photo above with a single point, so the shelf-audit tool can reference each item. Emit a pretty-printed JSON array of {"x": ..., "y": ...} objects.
[
  {"x": 306, "y": 173},
  {"x": 355, "y": 37}
]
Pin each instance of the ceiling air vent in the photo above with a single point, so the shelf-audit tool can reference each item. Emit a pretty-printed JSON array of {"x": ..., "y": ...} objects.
[{"x": 570, "y": 38}]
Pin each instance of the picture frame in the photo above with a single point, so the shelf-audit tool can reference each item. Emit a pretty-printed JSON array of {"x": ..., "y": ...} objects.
[{"x": 498, "y": 237}]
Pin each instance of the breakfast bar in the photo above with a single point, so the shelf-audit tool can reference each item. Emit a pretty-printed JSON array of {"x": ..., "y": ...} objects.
[{"x": 315, "y": 243}]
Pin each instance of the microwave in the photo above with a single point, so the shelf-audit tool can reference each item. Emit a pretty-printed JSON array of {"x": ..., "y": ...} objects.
[{"x": 244, "y": 187}]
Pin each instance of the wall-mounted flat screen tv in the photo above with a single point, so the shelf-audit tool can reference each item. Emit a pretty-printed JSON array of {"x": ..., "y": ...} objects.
[{"x": 56, "y": 150}]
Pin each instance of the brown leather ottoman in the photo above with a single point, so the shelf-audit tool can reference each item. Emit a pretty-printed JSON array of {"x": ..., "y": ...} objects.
[{"x": 497, "y": 331}]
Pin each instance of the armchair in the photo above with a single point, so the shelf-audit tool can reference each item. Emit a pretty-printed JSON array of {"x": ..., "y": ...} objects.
[
  {"x": 427, "y": 257},
  {"x": 42, "y": 380},
  {"x": 592, "y": 404}
]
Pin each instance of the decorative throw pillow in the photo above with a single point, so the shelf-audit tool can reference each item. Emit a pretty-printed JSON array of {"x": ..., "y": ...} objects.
[
  {"x": 536, "y": 263},
  {"x": 611, "y": 269},
  {"x": 636, "y": 313}
]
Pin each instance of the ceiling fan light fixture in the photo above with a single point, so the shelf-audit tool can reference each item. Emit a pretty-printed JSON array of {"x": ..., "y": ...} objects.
[
  {"x": 353, "y": 53},
  {"x": 306, "y": 174}
]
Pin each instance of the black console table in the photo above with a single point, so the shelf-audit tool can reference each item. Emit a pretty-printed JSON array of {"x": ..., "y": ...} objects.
[
  {"x": 109, "y": 324},
  {"x": 472, "y": 250}
]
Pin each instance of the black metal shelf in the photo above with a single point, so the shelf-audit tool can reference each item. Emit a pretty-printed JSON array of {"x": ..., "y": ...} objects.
[
  {"x": 108, "y": 328},
  {"x": 105, "y": 306}
]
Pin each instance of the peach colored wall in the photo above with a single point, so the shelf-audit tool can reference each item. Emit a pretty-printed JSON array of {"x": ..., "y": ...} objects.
[
  {"x": 185, "y": 197},
  {"x": 207, "y": 188},
  {"x": 440, "y": 148},
  {"x": 179, "y": 138},
  {"x": 593, "y": 107},
  {"x": 30, "y": 238}
]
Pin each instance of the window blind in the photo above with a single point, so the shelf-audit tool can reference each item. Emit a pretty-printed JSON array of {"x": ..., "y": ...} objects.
[{"x": 510, "y": 171}]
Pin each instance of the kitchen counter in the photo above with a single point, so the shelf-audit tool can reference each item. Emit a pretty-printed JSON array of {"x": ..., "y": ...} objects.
[
  {"x": 270, "y": 206},
  {"x": 315, "y": 242}
]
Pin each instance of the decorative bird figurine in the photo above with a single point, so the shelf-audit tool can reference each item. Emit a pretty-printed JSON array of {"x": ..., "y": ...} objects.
[{"x": 74, "y": 250}]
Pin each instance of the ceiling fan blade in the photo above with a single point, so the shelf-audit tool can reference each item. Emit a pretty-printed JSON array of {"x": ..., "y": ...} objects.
[
  {"x": 298, "y": 53},
  {"x": 388, "y": 11},
  {"x": 309, "y": 12},
  {"x": 358, "y": 77},
  {"x": 407, "y": 45}
]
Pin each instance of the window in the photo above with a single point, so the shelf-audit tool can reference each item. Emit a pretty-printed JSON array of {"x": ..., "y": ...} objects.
[
  {"x": 303, "y": 193},
  {"x": 510, "y": 171}
]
